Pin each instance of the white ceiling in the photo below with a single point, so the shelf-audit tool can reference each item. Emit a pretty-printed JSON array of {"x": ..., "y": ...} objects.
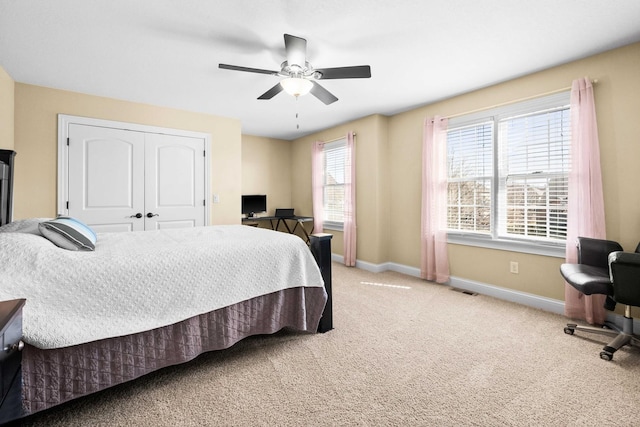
[{"x": 166, "y": 52}]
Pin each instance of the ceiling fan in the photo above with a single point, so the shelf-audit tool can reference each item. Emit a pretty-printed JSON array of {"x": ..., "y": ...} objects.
[{"x": 300, "y": 77}]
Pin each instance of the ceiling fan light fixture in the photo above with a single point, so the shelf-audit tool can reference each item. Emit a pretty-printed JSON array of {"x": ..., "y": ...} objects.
[{"x": 296, "y": 86}]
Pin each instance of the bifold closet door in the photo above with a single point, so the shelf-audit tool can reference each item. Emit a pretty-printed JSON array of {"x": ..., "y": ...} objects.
[
  {"x": 174, "y": 182},
  {"x": 122, "y": 180},
  {"x": 106, "y": 177}
]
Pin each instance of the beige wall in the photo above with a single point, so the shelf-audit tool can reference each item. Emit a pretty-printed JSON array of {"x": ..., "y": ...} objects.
[
  {"x": 619, "y": 134},
  {"x": 36, "y": 115},
  {"x": 266, "y": 169},
  {"x": 388, "y": 152},
  {"x": 389, "y": 165},
  {"x": 7, "y": 90},
  {"x": 372, "y": 184}
]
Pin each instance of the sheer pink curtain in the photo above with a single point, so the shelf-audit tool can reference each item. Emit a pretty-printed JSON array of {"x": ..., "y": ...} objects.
[
  {"x": 317, "y": 182},
  {"x": 434, "y": 261},
  {"x": 350, "y": 203},
  {"x": 585, "y": 211}
]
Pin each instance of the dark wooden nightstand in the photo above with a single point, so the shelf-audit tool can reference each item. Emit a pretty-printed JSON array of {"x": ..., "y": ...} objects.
[{"x": 10, "y": 359}]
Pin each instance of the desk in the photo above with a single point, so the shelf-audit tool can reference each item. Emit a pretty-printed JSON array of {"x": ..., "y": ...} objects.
[{"x": 275, "y": 222}]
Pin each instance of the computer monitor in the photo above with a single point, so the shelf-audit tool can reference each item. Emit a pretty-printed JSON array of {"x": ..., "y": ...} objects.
[{"x": 253, "y": 204}]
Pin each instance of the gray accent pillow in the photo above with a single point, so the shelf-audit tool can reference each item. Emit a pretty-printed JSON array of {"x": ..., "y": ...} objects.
[{"x": 69, "y": 233}]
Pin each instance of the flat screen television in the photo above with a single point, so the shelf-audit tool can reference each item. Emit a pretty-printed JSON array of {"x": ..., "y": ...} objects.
[{"x": 253, "y": 204}]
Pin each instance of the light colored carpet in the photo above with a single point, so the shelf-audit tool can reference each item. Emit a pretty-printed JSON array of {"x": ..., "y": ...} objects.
[{"x": 416, "y": 356}]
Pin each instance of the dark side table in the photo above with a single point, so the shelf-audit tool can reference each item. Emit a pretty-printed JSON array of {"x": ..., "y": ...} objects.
[{"x": 11, "y": 359}]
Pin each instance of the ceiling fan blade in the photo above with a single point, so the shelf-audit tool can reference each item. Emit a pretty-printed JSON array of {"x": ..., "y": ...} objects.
[
  {"x": 322, "y": 94},
  {"x": 247, "y": 69},
  {"x": 357, "y": 72},
  {"x": 296, "y": 50},
  {"x": 271, "y": 92}
]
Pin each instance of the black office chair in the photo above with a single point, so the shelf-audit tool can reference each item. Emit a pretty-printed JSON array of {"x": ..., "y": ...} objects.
[{"x": 603, "y": 268}]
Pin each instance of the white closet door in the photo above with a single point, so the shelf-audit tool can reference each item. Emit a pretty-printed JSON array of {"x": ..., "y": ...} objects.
[
  {"x": 174, "y": 182},
  {"x": 106, "y": 177}
]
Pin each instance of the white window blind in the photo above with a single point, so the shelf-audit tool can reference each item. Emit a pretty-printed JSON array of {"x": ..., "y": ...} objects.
[
  {"x": 470, "y": 170},
  {"x": 534, "y": 162},
  {"x": 334, "y": 179}
]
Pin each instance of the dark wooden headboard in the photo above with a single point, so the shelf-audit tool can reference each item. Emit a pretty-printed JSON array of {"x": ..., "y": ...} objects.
[{"x": 6, "y": 185}]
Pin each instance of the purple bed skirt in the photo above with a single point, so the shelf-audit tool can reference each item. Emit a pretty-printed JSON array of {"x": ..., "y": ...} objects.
[{"x": 51, "y": 377}]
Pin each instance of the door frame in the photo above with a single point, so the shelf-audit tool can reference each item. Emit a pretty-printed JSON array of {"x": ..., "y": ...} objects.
[{"x": 64, "y": 120}]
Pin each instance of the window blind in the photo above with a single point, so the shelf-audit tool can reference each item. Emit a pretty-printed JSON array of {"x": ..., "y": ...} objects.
[
  {"x": 334, "y": 179},
  {"x": 470, "y": 170},
  {"x": 533, "y": 162}
]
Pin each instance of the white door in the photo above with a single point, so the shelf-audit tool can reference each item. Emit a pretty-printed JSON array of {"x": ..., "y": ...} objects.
[
  {"x": 106, "y": 177},
  {"x": 174, "y": 182},
  {"x": 122, "y": 180}
]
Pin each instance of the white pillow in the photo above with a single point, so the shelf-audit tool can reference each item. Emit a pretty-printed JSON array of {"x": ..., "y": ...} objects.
[
  {"x": 69, "y": 233},
  {"x": 29, "y": 226}
]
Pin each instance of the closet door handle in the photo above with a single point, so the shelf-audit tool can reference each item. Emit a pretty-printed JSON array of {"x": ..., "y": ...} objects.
[
  {"x": 138, "y": 215},
  {"x": 151, "y": 215}
]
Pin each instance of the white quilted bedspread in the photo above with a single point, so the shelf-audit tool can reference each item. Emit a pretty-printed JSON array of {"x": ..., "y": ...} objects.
[{"x": 143, "y": 280}]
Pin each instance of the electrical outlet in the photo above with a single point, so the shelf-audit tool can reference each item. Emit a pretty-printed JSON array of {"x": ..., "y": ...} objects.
[{"x": 513, "y": 267}]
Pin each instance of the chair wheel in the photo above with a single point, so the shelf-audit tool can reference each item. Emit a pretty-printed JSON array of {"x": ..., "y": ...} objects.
[
  {"x": 605, "y": 355},
  {"x": 568, "y": 330}
]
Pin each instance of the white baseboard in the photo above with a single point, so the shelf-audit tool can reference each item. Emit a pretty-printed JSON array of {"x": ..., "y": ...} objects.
[
  {"x": 379, "y": 268},
  {"x": 524, "y": 298},
  {"x": 337, "y": 258}
]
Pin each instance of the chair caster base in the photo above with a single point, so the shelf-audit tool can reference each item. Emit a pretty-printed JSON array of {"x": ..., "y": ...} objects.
[{"x": 605, "y": 355}]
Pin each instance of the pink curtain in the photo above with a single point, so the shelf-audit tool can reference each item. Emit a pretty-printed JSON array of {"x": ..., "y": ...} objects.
[
  {"x": 317, "y": 183},
  {"x": 350, "y": 203},
  {"x": 585, "y": 210},
  {"x": 434, "y": 261}
]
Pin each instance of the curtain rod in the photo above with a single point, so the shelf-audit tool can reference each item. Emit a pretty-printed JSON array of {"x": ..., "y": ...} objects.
[
  {"x": 338, "y": 139},
  {"x": 552, "y": 92}
]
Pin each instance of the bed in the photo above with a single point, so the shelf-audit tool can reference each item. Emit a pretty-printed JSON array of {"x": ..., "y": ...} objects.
[{"x": 194, "y": 290}]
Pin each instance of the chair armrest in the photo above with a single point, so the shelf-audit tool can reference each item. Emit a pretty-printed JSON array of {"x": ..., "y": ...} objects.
[
  {"x": 629, "y": 258},
  {"x": 624, "y": 268},
  {"x": 595, "y": 252}
]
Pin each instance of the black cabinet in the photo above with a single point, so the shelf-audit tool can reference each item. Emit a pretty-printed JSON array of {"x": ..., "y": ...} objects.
[
  {"x": 10, "y": 359},
  {"x": 6, "y": 185}
]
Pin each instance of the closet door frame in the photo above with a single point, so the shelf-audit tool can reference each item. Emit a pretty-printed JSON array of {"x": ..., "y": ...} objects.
[{"x": 65, "y": 120}]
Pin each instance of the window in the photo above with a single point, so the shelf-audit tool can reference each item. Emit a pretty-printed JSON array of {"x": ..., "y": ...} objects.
[
  {"x": 508, "y": 174},
  {"x": 470, "y": 176},
  {"x": 334, "y": 183}
]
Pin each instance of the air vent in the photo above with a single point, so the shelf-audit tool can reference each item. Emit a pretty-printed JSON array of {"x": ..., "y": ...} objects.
[{"x": 464, "y": 291}]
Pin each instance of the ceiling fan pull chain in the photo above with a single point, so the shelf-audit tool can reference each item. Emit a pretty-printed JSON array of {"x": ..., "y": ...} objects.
[{"x": 297, "y": 122}]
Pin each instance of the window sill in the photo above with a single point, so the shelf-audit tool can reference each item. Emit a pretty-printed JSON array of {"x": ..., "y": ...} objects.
[
  {"x": 336, "y": 226},
  {"x": 544, "y": 249}
]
